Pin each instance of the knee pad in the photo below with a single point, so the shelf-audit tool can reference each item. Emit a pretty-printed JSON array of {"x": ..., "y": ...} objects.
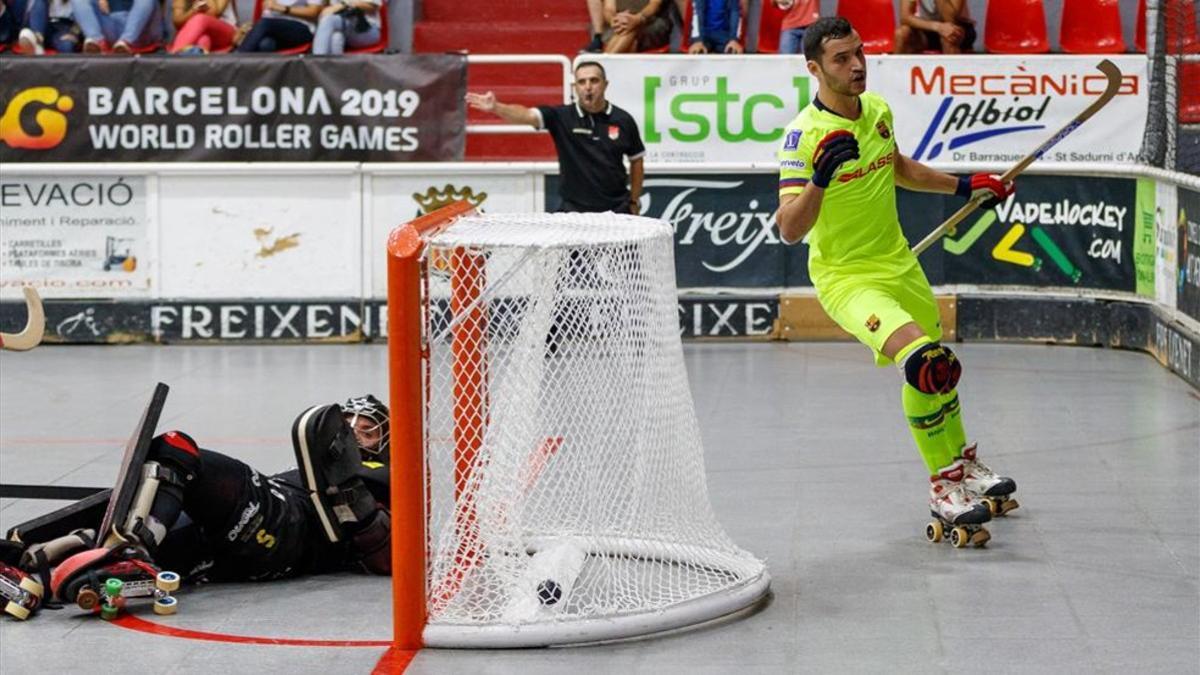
[
  {"x": 176, "y": 450},
  {"x": 932, "y": 369}
]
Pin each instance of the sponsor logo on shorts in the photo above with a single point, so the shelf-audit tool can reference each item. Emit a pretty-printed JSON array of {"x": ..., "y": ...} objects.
[
  {"x": 248, "y": 513},
  {"x": 873, "y": 323}
]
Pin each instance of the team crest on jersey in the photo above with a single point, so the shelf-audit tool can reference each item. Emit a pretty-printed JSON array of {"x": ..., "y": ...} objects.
[
  {"x": 793, "y": 140},
  {"x": 883, "y": 130},
  {"x": 873, "y": 323},
  {"x": 614, "y": 132}
]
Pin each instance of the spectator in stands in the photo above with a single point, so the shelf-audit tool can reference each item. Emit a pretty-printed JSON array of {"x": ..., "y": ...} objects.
[
  {"x": 596, "y": 19},
  {"x": 203, "y": 26},
  {"x": 119, "y": 25},
  {"x": 715, "y": 27},
  {"x": 12, "y": 17},
  {"x": 349, "y": 23},
  {"x": 800, "y": 14},
  {"x": 636, "y": 25},
  {"x": 592, "y": 136},
  {"x": 49, "y": 23},
  {"x": 935, "y": 25},
  {"x": 284, "y": 24}
]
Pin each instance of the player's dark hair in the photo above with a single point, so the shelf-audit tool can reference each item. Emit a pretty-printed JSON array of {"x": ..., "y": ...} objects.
[
  {"x": 825, "y": 28},
  {"x": 596, "y": 64}
]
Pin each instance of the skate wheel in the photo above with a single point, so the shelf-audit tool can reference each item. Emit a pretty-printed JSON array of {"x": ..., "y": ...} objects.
[
  {"x": 981, "y": 538},
  {"x": 166, "y": 605},
  {"x": 18, "y": 611},
  {"x": 959, "y": 537},
  {"x": 992, "y": 506},
  {"x": 1008, "y": 505},
  {"x": 87, "y": 599},
  {"x": 934, "y": 531},
  {"x": 166, "y": 581},
  {"x": 109, "y": 612},
  {"x": 32, "y": 587},
  {"x": 112, "y": 587}
]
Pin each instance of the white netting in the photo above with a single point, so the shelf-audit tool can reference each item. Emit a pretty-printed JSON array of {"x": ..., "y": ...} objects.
[{"x": 562, "y": 445}]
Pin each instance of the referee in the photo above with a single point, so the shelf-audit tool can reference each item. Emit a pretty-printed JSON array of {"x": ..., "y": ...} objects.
[{"x": 592, "y": 137}]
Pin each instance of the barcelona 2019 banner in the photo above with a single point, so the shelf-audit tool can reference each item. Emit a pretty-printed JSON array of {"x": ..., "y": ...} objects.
[{"x": 255, "y": 109}]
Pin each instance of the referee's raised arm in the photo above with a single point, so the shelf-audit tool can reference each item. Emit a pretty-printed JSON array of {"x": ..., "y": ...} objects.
[{"x": 509, "y": 112}]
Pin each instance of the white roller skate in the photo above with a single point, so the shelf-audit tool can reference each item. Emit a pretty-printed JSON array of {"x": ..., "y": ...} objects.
[
  {"x": 956, "y": 511},
  {"x": 993, "y": 490}
]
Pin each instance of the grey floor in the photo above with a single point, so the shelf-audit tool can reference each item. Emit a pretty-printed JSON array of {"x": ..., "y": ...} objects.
[{"x": 809, "y": 466}]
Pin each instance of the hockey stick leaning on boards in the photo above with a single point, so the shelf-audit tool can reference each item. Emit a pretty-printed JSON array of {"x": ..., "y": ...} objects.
[
  {"x": 1113, "y": 74},
  {"x": 35, "y": 325}
]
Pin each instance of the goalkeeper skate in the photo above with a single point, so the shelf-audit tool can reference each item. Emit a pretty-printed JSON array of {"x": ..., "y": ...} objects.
[
  {"x": 20, "y": 593},
  {"x": 993, "y": 490},
  {"x": 956, "y": 511},
  {"x": 102, "y": 580}
]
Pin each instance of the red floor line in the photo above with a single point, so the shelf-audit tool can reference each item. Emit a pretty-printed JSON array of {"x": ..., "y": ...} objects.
[
  {"x": 131, "y": 622},
  {"x": 394, "y": 661}
]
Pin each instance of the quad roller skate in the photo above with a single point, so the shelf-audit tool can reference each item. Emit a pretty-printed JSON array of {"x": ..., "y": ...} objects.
[
  {"x": 21, "y": 593},
  {"x": 958, "y": 515},
  {"x": 103, "y": 580},
  {"x": 993, "y": 490}
]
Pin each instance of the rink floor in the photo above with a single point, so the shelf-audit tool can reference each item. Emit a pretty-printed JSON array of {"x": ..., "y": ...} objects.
[{"x": 810, "y": 466}]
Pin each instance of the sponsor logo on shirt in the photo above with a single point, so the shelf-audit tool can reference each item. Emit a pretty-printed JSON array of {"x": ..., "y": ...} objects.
[
  {"x": 614, "y": 132},
  {"x": 792, "y": 141},
  {"x": 793, "y": 164},
  {"x": 864, "y": 170}
]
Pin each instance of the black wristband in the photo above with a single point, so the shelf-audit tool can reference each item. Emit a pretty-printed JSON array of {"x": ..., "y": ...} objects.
[{"x": 964, "y": 187}]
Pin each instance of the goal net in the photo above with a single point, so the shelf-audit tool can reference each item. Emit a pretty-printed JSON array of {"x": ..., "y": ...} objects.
[{"x": 564, "y": 489}]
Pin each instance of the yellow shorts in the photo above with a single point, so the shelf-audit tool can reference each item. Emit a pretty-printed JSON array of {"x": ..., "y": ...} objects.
[{"x": 872, "y": 309}]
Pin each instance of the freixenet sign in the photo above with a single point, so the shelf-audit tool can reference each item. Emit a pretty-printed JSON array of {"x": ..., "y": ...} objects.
[
  {"x": 258, "y": 109},
  {"x": 968, "y": 110}
]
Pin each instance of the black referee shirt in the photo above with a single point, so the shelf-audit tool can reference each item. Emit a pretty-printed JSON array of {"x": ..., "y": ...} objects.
[{"x": 590, "y": 150}]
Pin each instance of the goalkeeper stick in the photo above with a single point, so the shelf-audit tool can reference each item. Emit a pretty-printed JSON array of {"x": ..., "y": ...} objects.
[
  {"x": 35, "y": 325},
  {"x": 1113, "y": 74}
]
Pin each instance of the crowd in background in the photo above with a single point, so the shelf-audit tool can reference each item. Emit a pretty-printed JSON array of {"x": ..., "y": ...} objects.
[{"x": 35, "y": 27}]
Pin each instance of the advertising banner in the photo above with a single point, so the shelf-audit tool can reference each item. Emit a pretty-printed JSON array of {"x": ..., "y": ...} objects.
[
  {"x": 243, "y": 109},
  {"x": 1188, "y": 223},
  {"x": 81, "y": 236},
  {"x": 1055, "y": 231},
  {"x": 973, "y": 109},
  {"x": 725, "y": 233},
  {"x": 969, "y": 109},
  {"x": 1167, "y": 229}
]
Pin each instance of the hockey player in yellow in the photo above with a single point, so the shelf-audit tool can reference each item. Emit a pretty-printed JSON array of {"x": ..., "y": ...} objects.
[{"x": 838, "y": 172}]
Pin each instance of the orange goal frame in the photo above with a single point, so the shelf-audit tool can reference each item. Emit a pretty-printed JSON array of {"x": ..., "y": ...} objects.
[{"x": 406, "y": 352}]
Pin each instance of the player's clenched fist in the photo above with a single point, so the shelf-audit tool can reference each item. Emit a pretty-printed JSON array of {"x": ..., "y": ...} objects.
[
  {"x": 985, "y": 186},
  {"x": 837, "y": 148}
]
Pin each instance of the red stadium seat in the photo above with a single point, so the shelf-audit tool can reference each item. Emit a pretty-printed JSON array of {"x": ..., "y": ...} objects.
[
  {"x": 1189, "y": 93},
  {"x": 768, "y": 27},
  {"x": 1016, "y": 27},
  {"x": 1179, "y": 27},
  {"x": 875, "y": 21},
  {"x": 1091, "y": 27}
]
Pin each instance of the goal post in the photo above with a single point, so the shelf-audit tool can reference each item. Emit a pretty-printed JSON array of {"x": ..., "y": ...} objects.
[{"x": 547, "y": 473}]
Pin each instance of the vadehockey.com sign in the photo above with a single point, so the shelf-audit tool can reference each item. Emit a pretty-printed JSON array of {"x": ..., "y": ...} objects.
[
  {"x": 257, "y": 109},
  {"x": 966, "y": 110}
]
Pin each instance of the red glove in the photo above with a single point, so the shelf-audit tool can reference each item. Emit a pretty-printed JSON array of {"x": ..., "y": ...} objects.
[{"x": 986, "y": 186}]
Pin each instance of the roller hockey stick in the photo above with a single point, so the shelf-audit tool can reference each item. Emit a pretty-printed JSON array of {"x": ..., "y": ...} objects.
[
  {"x": 1113, "y": 74},
  {"x": 35, "y": 326}
]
